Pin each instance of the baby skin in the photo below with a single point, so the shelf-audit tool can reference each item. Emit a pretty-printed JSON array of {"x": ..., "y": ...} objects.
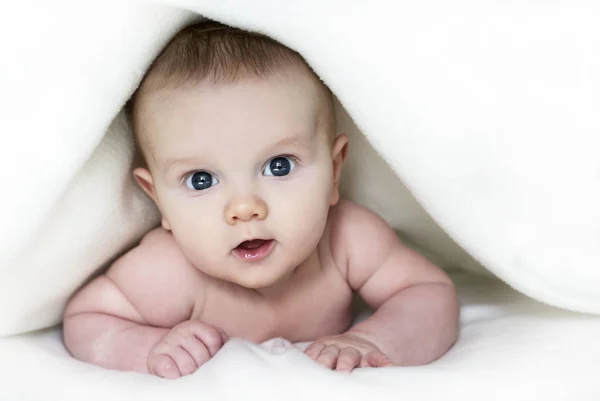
[{"x": 255, "y": 243}]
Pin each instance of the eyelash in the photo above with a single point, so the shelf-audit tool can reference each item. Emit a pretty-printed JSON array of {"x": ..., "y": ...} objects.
[
  {"x": 294, "y": 159},
  {"x": 189, "y": 173}
]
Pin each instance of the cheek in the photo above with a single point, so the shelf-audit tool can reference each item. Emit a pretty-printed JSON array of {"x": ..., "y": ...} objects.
[
  {"x": 303, "y": 202},
  {"x": 196, "y": 223}
]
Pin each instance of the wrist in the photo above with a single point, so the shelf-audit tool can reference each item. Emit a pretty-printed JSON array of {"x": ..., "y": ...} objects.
[{"x": 366, "y": 335}]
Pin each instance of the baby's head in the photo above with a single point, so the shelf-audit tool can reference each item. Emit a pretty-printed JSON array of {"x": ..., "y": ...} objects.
[{"x": 241, "y": 154}]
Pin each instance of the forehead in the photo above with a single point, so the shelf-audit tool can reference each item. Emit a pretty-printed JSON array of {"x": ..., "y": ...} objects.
[{"x": 252, "y": 109}]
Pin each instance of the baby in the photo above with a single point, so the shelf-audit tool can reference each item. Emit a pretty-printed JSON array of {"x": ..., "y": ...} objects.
[{"x": 242, "y": 158}]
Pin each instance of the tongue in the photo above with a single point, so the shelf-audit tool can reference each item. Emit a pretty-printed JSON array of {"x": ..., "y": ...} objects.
[{"x": 253, "y": 244}]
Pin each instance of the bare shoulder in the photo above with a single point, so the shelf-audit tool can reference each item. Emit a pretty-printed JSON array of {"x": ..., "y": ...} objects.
[
  {"x": 358, "y": 236},
  {"x": 157, "y": 257},
  {"x": 157, "y": 279},
  {"x": 350, "y": 217},
  {"x": 375, "y": 261}
]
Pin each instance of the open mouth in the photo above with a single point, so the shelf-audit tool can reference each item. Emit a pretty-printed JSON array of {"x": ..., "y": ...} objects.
[{"x": 253, "y": 250}]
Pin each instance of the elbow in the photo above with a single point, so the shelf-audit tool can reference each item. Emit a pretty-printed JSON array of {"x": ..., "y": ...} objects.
[
  {"x": 82, "y": 339},
  {"x": 444, "y": 322},
  {"x": 448, "y": 316}
]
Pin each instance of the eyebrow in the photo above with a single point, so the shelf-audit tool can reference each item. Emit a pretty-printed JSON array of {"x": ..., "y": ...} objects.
[
  {"x": 169, "y": 164},
  {"x": 300, "y": 141}
]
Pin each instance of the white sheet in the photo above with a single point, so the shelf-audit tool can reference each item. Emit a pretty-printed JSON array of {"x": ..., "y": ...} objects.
[{"x": 511, "y": 348}]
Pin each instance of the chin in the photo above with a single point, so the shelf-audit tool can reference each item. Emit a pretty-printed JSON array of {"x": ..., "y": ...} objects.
[
  {"x": 257, "y": 284},
  {"x": 260, "y": 281}
]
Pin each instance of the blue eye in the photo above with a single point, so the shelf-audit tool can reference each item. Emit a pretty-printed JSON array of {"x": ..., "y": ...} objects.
[
  {"x": 200, "y": 180},
  {"x": 279, "y": 166}
]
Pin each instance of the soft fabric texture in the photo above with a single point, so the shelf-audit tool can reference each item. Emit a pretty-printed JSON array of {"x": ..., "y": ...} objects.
[
  {"x": 487, "y": 111},
  {"x": 511, "y": 348}
]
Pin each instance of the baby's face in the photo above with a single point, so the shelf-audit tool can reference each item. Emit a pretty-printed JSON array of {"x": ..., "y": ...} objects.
[{"x": 243, "y": 174}]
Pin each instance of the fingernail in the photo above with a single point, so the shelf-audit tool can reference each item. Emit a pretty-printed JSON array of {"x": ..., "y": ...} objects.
[{"x": 343, "y": 369}]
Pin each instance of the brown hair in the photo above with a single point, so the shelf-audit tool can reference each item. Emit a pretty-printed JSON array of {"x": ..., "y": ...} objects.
[{"x": 221, "y": 54}]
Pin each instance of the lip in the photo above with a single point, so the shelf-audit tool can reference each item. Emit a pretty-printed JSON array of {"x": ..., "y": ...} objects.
[{"x": 255, "y": 255}]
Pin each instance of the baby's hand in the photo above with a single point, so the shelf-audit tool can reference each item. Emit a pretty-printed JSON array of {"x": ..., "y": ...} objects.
[
  {"x": 345, "y": 352},
  {"x": 184, "y": 349}
]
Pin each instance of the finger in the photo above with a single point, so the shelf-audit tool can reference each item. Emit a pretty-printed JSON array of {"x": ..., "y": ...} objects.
[
  {"x": 163, "y": 365},
  {"x": 224, "y": 335},
  {"x": 378, "y": 359},
  {"x": 364, "y": 363},
  {"x": 314, "y": 350},
  {"x": 348, "y": 359},
  {"x": 185, "y": 362},
  {"x": 196, "y": 349},
  {"x": 210, "y": 337},
  {"x": 329, "y": 356}
]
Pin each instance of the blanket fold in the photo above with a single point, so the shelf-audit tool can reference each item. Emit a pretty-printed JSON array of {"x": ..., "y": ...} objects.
[{"x": 485, "y": 112}]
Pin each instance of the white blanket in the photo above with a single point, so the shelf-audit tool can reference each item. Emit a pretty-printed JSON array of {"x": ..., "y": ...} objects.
[
  {"x": 486, "y": 110},
  {"x": 511, "y": 348}
]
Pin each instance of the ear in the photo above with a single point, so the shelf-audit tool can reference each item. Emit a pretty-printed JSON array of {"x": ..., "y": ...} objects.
[
  {"x": 338, "y": 155},
  {"x": 145, "y": 181}
]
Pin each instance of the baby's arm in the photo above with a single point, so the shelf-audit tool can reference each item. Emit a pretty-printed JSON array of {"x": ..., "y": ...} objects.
[
  {"x": 119, "y": 318},
  {"x": 416, "y": 311}
]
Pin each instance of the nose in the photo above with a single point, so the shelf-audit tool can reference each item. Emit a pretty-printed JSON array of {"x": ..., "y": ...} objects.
[{"x": 245, "y": 208}]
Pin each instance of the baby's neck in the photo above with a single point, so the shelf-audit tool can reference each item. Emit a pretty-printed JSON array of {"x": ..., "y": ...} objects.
[
  {"x": 286, "y": 284},
  {"x": 278, "y": 289}
]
